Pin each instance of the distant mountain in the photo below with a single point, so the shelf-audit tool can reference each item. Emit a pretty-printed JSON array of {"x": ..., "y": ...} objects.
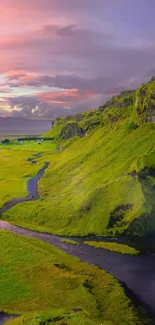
[{"x": 23, "y": 125}]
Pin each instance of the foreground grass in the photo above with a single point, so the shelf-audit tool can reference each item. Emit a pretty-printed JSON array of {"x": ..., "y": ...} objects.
[
  {"x": 43, "y": 279},
  {"x": 120, "y": 248}
]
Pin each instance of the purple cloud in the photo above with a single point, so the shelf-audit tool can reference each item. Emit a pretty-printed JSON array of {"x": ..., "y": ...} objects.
[{"x": 92, "y": 46}]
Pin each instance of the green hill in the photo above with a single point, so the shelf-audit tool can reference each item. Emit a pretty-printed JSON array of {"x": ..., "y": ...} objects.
[{"x": 103, "y": 180}]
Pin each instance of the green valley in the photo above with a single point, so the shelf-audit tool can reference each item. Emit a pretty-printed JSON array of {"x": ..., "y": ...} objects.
[
  {"x": 99, "y": 180},
  {"x": 102, "y": 181},
  {"x": 77, "y": 162}
]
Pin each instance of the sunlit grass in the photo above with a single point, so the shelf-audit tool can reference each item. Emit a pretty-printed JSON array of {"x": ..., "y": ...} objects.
[
  {"x": 43, "y": 279},
  {"x": 115, "y": 247},
  {"x": 89, "y": 179},
  {"x": 15, "y": 169}
]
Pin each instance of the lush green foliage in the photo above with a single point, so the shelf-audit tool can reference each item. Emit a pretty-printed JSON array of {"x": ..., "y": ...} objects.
[
  {"x": 145, "y": 102},
  {"x": 124, "y": 100},
  {"x": 120, "y": 248},
  {"x": 5, "y": 141},
  {"x": 43, "y": 279}
]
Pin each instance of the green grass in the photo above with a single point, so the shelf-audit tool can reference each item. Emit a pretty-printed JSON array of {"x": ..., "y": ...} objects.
[
  {"x": 44, "y": 282},
  {"x": 15, "y": 172},
  {"x": 63, "y": 318},
  {"x": 120, "y": 248},
  {"x": 93, "y": 186},
  {"x": 70, "y": 242},
  {"x": 16, "y": 169},
  {"x": 31, "y": 146},
  {"x": 89, "y": 180}
]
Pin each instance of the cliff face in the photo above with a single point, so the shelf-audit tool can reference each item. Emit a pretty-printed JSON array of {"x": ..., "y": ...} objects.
[
  {"x": 70, "y": 130},
  {"x": 145, "y": 102}
]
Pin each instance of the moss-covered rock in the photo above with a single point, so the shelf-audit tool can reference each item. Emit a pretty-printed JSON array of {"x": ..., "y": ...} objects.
[
  {"x": 70, "y": 130},
  {"x": 124, "y": 100},
  {"x": 145, "y": 102}
]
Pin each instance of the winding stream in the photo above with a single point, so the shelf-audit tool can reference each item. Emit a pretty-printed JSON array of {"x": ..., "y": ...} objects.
[
  {"x": 32, "y": 186},
  {"x": 137, "y": 273}
]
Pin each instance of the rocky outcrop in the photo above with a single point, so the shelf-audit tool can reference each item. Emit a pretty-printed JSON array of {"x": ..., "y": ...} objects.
[
  {"x": 125, "y": 99},
  {"x": 145, "y": 102},
  {"x": 70, "y": 130}
]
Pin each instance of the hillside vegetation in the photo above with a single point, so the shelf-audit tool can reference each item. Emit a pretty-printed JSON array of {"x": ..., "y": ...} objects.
[{"x": 103, "y": 180}]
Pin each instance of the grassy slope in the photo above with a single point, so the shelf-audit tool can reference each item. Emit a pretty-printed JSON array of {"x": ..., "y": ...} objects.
[
  {"x": 89, "y": 179},
  {"x": 89, "y": 187},
  {"x": 43, "y": 279}
]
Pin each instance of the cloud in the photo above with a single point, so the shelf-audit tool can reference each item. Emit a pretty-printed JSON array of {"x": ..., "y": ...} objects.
[
  {"x": 150, "y": 73},
  {"x": 55, "y": 104},
  {"x": 57, "y": 54},
  {"x": 62, "y": 31},
  {"x": 2, "y": 112},
  {"x": 72, "y": 81},
  {"x": 48, "y": 104},
  {"x": 4, "y": 90}
]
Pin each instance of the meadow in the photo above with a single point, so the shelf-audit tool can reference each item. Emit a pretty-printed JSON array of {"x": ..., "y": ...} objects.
[
  {"x": 46, "y": 286},
  {"x": 16, "y": 169}
]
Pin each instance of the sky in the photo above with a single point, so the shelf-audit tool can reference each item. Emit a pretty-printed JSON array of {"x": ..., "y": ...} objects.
[{"x": 59, "y": 57}]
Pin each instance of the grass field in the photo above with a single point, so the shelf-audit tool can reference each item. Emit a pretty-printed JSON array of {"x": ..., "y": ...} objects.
[
  {"x": 16, "y": 169},
  {"x": 114, "y": 247},
  {"x": 43, "y": 283}
]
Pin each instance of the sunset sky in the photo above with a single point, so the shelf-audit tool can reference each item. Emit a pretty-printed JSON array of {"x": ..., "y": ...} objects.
[{"x": 62, "y": 56}]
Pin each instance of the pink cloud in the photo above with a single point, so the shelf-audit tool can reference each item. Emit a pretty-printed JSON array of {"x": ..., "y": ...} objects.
[
  {"x": 77, "y": 46},
  {"x": 66, "y": 97}
]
